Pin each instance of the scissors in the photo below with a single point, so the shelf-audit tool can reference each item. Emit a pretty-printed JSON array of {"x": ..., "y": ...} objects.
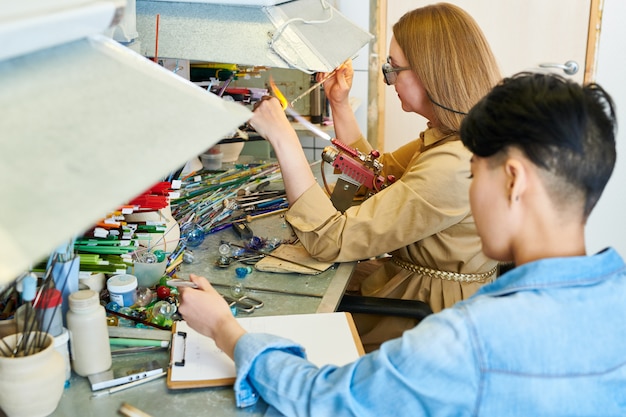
[
  {"x": 224, "y": 262},
  {"x": 246, "y": 304}
]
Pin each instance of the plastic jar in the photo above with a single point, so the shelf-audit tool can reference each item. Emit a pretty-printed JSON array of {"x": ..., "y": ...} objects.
[
  {"x": 123, "y": 289},
  {"x": 89, "y": 337}
]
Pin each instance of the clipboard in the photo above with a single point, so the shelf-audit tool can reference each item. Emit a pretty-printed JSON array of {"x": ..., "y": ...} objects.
[{"x": 196, "y": 362}]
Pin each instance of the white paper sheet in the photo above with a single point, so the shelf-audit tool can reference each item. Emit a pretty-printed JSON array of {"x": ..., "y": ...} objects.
[{"x": 326, "y": 337}]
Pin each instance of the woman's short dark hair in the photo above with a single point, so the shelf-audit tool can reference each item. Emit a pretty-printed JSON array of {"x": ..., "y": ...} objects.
[{"x": 562, "y": 127}]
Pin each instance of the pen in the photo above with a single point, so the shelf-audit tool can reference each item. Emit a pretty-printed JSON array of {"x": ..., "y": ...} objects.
[
  {"x": 181, "y": 283},
  {"x": 126, "y": 386}
]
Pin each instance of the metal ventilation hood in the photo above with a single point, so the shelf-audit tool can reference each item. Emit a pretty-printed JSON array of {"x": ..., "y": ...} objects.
[
  {"x": 300, "y": 34},
  {"x": 86, "y": 125}
]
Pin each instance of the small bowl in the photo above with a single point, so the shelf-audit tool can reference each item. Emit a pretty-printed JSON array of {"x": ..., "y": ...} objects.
[
  {"x": 212, "y": 161},
  {"x": 231, "y": 151}
]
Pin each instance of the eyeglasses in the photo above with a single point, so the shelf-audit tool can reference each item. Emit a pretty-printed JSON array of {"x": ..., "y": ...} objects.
[{"x": 390, "y": 73}]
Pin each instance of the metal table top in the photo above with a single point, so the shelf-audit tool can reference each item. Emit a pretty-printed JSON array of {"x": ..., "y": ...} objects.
[{"x": 289, "y": 293}]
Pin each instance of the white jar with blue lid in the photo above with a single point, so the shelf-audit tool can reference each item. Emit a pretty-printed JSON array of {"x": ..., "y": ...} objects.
[{"x": 123, "y": 289}]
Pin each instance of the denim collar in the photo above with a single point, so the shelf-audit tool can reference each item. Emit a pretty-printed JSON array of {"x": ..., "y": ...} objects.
[{"x": 556, "y": 272}]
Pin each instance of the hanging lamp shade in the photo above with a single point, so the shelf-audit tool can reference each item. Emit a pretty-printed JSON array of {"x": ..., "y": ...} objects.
[
  {"x": 87, "y": 124},
  {"x": 309, "y": 35}
]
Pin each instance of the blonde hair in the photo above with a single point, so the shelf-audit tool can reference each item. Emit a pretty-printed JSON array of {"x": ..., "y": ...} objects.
[{"x": 449, "y": 53}]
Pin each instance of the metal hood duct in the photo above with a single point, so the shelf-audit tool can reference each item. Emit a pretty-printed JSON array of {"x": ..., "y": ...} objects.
[
  {"x": 308, "y": 35},
  {"x": 87, "y": 124}
]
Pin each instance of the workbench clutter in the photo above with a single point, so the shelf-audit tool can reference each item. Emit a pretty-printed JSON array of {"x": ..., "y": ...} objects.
[
  {"x": 61, "y": 301},
  {"x": 119, "y": 279},
  {"x": 215, "y": 200},
  {"x": 218, "y": 78}
]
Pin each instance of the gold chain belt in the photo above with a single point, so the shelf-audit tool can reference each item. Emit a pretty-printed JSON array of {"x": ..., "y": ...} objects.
[{"x": 450, "y": 276}]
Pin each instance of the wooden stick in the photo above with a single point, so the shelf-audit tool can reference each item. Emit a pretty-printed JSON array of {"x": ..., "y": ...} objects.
[{"x": 128, "y": 410}]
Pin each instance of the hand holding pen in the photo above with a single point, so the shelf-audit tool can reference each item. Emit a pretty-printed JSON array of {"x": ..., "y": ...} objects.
[
  {"x": 181, "y": 283},
  {"x": 206, "y": 311}
]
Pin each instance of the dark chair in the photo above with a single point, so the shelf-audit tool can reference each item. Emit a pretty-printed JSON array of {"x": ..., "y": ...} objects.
[
  {"x": 394, "y": 306},
  {"x": 384, "y": 306}
]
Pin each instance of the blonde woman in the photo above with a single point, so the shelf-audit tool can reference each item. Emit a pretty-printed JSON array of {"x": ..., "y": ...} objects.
[{"x": 440, "y": 65}]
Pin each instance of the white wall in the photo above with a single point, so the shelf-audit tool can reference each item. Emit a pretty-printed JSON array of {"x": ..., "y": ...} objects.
[
  {"x": 522, "y": 35},
  {"x": 359, "y": 13},
  {"x": 607, "y": 224}
]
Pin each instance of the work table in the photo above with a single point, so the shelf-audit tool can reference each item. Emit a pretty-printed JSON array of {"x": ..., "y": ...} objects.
[{"x": 282, "y": 294}]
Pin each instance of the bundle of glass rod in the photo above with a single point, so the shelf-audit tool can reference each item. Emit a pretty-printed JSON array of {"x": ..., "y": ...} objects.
[
  {"x": 109, "y": 247},
  {"x": 36, "y": 322},
  {"x": 215, "y": 200}
]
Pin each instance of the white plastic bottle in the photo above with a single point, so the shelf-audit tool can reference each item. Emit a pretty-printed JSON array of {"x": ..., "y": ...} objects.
[{"x": 89, "y": 337}]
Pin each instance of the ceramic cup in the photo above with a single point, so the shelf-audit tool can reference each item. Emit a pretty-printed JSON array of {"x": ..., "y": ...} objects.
[{"x": 31, "y": 385}]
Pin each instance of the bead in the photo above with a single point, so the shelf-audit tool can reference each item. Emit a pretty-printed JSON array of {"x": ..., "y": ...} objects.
[
  {"x": 237, "y": 290},
  {"x": 255, "y": 242},
  {"x": 223, "y": 261},
  {"x": 148, "y": 258},
  {"x": 124, "y": 322},
  {"x": 163, "y": 292},
  {"x": 113, "y": 306},
  {"x": 224, "y": 249},
  {"x": 192, "y": 234},
  {"x": 158, "y": 320},
  {"x": 144, "y": 296},
  {"x": 273, "y": 243},
  {"x": 238, "y": 252},
  {"x": 163, "y": 308},
  {"x": 188, "y": 257},
  {"x": 160, "y": 255}
]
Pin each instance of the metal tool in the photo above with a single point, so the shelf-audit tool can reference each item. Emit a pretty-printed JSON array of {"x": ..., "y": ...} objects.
[
  {"x": 357, "y": 169},
  {"x": 258, "y": 252},
  {"x": 246, "y": 304}
]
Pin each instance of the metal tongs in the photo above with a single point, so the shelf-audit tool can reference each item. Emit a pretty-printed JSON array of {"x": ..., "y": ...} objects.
[{"x": 245, "y": 303}]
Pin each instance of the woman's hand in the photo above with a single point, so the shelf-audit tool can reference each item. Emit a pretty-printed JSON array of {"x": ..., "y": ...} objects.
[
  {"x": 337, "y": 88},
  {"x": 206, "y": 311},
  {"x": 269, "y": 120}
]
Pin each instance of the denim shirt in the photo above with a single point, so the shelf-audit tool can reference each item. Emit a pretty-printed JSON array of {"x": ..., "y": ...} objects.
[{"x": 547, "y": 338}]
